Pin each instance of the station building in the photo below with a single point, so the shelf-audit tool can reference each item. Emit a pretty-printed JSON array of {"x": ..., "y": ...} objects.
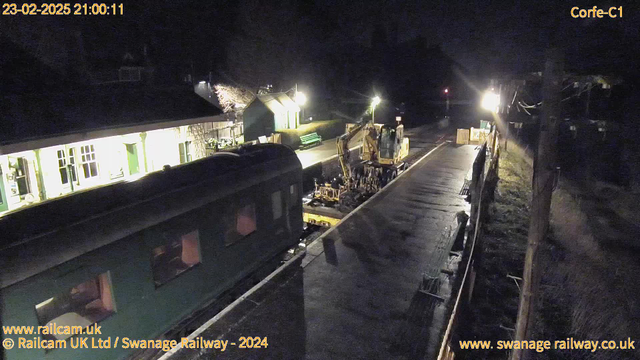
[
  {"x": 269, "y": 113},
  {"x": 63, "y": 143}
]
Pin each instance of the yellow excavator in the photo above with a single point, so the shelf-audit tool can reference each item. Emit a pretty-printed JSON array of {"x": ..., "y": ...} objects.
[
  {"x": 384, "y": 149},
  {"x": 333, "y": 191}
]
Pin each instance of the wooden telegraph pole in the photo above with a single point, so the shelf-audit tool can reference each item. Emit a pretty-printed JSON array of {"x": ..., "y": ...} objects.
[{"x": 543, "y": 180}]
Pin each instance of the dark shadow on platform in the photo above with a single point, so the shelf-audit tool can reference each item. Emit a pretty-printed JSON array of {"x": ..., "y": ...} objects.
[{"x": 275, "y": 311}]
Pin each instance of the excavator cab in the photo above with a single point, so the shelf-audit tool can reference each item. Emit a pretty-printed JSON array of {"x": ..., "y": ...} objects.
[
  {"x": 383, "y": 149},
  {"x": 393, "y": 147}
]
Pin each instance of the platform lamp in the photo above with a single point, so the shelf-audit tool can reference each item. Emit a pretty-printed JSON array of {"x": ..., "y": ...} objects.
[
  {"x": 300, "y": 98},
  {"x": 374, "y": 102}
]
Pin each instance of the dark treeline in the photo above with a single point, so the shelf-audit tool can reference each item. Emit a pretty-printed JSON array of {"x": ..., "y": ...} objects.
[
  {"x": 339, "y": 53},
  {"x": 338, "y": 59}
]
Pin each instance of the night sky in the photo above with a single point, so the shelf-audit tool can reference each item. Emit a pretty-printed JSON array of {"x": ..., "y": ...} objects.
[
  {"x": 481, "y": 35},
  {"x": 234, "y": 38}
]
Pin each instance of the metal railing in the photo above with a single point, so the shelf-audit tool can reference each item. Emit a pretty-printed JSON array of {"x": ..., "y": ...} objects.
[{"x": 482, "y": 185}]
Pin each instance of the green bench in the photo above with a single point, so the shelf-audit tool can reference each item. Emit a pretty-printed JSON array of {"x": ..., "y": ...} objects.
[{"x": 310, "y": 140}]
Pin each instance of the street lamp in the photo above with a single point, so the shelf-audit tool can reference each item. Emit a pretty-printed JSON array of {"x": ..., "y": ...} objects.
[
  {"x": 374, "y": 102},
  {"x": 491, "y": 101},
  {"x": 300, "y": 99},
  {"x": 446, "y": 92}
]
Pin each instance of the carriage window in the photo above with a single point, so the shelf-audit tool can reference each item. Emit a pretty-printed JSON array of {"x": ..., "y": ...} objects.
[
  {"x": 81, "y": 306},
  {"x": 276, "y": 205},
  {"x": 241, "y": 223},
  {"x": 171, "y": 260},
  {"x": 293, "y": 195}
]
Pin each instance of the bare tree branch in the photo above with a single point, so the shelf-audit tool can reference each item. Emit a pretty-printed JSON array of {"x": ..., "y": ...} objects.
[{"x": 232, "y": 98}]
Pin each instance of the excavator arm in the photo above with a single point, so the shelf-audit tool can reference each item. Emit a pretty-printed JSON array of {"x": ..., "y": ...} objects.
[
  {"x": 328, "y": 192},
  {"x": 342, "y": 144}
]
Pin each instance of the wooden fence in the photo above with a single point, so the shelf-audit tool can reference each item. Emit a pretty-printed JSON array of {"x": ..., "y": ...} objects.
[{"x": 482, "y": 187}]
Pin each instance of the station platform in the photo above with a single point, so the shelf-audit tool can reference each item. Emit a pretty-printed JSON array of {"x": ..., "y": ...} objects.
[
  {"x": 356, "y": 291},
  {"x": 326, "y": 151}
]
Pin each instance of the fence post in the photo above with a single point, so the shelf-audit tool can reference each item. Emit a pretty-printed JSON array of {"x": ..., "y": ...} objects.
[
  {"x": 477, "y": 179},
  {"x": 490, "y": 183},
  {"x": 506, "y": 138},
  {"x": 543, "y": 178}
]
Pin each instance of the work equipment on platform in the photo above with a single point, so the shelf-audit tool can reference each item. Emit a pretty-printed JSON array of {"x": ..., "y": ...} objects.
[
  {"x": 310, "y": 140},
  {"x": 474, "y": 136},
  {"x": 462, "y": 137},
  {"x": 321, "y": 216},
  {"x": 383, "y": 152}
]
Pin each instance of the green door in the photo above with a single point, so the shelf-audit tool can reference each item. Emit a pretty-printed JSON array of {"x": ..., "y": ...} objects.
[
  {"x": 132, "y": 157},
  {"x": 3, "y": 197}
]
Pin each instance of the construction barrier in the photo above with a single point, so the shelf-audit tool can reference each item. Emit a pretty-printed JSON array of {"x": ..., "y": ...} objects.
[{"x": 462, "y": 137}]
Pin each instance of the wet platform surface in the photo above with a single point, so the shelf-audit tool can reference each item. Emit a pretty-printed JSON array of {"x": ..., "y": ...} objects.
[{"x": 354, "y": 295}]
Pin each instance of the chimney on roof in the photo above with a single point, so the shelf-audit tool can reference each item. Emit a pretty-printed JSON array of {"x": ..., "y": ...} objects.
[
  {"x": 77, "y": 67},
  {"x": 149, "y": 70}
]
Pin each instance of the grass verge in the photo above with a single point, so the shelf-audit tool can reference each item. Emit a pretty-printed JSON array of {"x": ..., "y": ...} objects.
[
  {"x": 494, "y": 305},
  {"x": 590, "y": 261},
  {"x": 589, "y": 287}
]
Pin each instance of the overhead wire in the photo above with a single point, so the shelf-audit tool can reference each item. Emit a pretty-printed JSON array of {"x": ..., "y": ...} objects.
[
  {"x": 525, "y": 106},
  {"x": 587, "y": 88}
]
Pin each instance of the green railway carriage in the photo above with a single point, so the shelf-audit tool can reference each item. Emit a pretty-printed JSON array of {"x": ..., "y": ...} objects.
[{"x": 134, "y": 258}]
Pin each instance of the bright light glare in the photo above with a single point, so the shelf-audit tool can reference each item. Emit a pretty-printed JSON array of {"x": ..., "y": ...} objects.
[
  {"x": 300, "y": 98},
  {"x": 490, "y": 101},
  {"x": 446, "y": 91},
  {"x": 375, "y": 101}
]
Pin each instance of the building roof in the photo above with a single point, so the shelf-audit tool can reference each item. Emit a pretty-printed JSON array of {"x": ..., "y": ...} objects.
[
  {"x": 37, "y": 102},
  {"x": 205, "y": 92},
  {"x": 277, "y": 102},
  {"x": 285, "y": 100},
  {"x": 20, "y": 72},
  {"x": 32, "y": 116}
]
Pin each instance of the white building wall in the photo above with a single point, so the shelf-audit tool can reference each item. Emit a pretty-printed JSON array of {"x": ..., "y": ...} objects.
[{"x": 161, "y": 147}]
